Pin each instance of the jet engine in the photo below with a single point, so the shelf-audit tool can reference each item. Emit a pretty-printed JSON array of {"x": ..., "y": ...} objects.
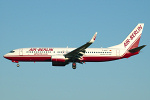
[{"x": 58, "y": 60}]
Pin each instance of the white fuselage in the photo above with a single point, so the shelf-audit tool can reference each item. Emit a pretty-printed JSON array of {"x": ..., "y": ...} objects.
[{"x": 45, "y": 54}]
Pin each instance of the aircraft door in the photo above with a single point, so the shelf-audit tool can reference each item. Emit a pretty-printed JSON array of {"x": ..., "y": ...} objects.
[
  {"x": 117, "y": 52},
  {"x": 20, "y": 52}
]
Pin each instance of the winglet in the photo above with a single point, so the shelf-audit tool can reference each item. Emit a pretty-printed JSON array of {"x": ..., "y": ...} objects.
[{"x": 93, "y": 38}]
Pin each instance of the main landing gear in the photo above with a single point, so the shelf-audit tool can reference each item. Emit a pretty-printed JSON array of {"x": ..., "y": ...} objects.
[
  {"x": 74, "y": 65},
  {"x": 18, "y": 65}
]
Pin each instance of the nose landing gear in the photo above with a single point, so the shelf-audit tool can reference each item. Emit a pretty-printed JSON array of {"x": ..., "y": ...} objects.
[{"x": 18, "y": 65}]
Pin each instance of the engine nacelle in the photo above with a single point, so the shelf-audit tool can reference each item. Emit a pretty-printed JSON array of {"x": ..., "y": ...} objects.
[{"x": 58, "y": 60}]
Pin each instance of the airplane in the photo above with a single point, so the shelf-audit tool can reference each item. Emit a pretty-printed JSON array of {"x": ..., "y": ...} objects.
[{"x": 63, "y": 56}]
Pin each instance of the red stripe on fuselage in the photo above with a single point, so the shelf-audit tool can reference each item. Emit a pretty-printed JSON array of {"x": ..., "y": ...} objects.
[
  {"x": 100, "y": 58},
  {"x": 29, "y": 58}
]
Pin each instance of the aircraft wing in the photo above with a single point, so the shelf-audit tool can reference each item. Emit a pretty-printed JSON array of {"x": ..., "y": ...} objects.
[{"x": 79, "y": 52}]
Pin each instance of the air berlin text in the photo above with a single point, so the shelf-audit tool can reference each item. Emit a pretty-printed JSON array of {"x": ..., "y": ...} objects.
[
  {"x": 132, "y": 36},
  {"x": 41, "y": 49}
]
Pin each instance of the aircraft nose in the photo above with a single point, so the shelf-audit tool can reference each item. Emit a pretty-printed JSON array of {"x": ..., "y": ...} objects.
[{"x": 5, "y": 56}]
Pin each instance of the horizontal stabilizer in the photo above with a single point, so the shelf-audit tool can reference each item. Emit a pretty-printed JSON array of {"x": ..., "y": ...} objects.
[{"x": 137, "y": 49}]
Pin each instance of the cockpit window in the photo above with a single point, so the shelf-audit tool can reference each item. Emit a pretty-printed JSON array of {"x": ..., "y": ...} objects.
[{"x": 12, "y": 51}]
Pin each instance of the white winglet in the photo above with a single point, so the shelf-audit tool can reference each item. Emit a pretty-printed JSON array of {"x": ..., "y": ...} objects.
[{"x": 93, "y": 38}]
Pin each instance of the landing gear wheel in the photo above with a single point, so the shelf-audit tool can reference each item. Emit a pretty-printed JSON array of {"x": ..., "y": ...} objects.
[
  {"x": 74, "y": 65},
  {"x": 18, "y": 65}
]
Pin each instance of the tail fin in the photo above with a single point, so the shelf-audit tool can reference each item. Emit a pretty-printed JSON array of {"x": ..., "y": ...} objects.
[{"x": 132, "y": 40}]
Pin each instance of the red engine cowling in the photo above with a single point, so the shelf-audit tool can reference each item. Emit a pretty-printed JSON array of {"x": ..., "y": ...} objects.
[{"x": 58, "y": 60}]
